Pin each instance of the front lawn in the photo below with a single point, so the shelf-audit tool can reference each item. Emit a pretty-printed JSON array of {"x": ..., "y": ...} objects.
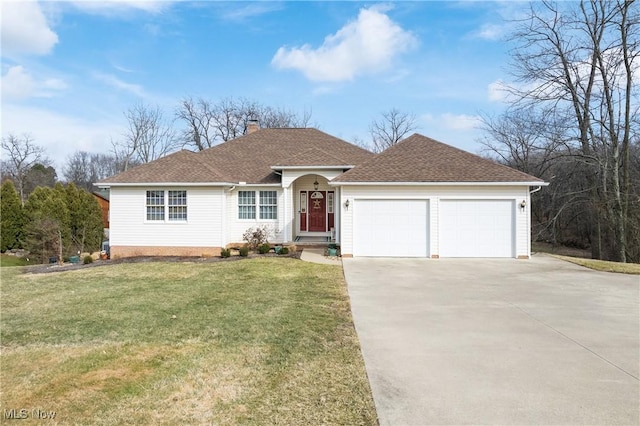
[
  {"x": 258, "y": 341},
  {"x": 8, "y": 260}
]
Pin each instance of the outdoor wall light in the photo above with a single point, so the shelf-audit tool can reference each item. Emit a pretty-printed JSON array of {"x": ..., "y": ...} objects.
[
  {"x": 523, "y": 205},
  {"x": 346, "y": 204}
]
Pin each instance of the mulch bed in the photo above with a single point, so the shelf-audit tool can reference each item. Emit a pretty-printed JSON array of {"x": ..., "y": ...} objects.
[{"x": 45, "y": 269}]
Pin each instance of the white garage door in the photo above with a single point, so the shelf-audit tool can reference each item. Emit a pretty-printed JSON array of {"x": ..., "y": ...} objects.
[
  {"x": 476, "y": 228},
  {"x": 391, "y": 228}
]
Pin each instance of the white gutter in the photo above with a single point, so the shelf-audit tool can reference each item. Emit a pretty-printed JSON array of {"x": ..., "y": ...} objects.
[
  {"x": 537, "y": 189},
  {"x": 540, "y": 184},
  {"x": 180, "y": 184}
]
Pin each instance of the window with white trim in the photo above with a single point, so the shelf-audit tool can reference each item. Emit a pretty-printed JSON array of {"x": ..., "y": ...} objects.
[
  {"x": 268, "y": 204},
  {"x": 177, "y": 205},
  {"x": 330, "y": 202},
  {"x": 169, "y": 205},
  {"x": 246, "y": 204},
  {"x": 258, "y": 204},
  {"x": 155, "y": 205}
]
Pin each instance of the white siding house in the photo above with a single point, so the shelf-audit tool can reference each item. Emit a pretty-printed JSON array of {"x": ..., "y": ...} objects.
[{"x": 419, "y": 198}]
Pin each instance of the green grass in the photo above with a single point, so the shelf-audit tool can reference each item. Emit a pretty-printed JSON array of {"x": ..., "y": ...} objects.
[
  {"x": 604, "y": 265},
  {"x": 7, "y": 260},
  {"x": 260, "y": 341}
]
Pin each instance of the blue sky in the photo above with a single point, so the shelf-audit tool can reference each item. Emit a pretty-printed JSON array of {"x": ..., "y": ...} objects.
[{"x": 70, "y": 69}]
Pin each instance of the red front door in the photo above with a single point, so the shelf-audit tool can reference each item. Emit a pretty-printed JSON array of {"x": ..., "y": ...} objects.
[{"x": 317, "y": 208}]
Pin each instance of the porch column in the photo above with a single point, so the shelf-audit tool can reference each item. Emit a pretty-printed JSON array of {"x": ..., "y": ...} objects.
[
  {"x": 337, "y": 211},
  {"x": 287, "y": 215}
]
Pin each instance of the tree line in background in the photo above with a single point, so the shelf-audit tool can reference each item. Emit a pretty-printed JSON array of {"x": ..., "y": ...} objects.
[
  {"x": 49, "y": 220},
  {"x": 573, "y": 121},
  {"x": 53, "y": 222},
  {"x": 150, "y": 134}
]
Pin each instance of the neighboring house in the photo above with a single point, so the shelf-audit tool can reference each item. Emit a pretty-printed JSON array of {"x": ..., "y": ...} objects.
[
  {"x": 419, "y": 198},
  {"x": 103, "y": 199}
]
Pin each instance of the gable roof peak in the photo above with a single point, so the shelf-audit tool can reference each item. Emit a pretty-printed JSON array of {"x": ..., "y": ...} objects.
[{"x": 419, "y": 158}]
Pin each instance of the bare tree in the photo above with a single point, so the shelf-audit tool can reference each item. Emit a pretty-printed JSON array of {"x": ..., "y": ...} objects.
[
  {"x": 148, "y": 137},
  {"x": 525, "y": 138},
  {"x": 199, "y": 119},
  {"x": 22, "y": 155},
  {"x": 391, "y": 128},
  {"x": 576, "y": 61},
  {"x": 208, "y": 123},
  {"x": 84, "y": 169}
]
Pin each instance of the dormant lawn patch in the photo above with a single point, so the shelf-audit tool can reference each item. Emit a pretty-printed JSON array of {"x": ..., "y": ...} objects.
[{"x": 262, "y": 341}]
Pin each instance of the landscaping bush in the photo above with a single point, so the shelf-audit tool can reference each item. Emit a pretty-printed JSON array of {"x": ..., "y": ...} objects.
[
  {"x": 264, "y": 248},
  {"x": 88, "y": 259},
  {"x": 285, "y": 250},
  {"x": 225, "y": 253},
  {"x": 255, "y": 237},
  {"x": 244, "y": 251}
]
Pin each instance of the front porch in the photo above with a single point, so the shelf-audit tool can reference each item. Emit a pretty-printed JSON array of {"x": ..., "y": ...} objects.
[{"x": 312, "y": 209}]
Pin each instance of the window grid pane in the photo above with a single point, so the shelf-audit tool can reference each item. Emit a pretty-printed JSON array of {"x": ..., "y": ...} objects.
[
  {"x": 177, "y": 213},
  {"x": 330, "y": 202},
  {"x": 177, "y": 198},
  {"x": 178, "y": 205},
  {"x": 246, "y": 205},
  {"x": 155, "y": 205},
  {"x": 268, "y": 204}
]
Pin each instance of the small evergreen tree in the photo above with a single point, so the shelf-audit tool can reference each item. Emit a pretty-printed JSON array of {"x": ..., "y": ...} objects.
[
  {"x": 85, "y": 219},
  {"x": 42, "y": 237},
  {"x": 11, "y": 217},
  {"x": 47, "y": 207}
]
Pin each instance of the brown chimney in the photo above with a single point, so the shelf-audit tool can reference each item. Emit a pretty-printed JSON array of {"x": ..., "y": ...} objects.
[{"x": 253, "y": 126}]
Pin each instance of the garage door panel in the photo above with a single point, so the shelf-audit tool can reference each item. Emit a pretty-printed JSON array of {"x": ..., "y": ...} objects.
[
  {"x": 476, "y": 228},
  {"x": 391, "y": 228}
]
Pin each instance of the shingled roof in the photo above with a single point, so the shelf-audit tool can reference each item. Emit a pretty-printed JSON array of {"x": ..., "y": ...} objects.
[
  {"x": 182, "y": 166},
  {"x": 252, "y": 158},
  {"x": 248, "y": 159},
  {"x": 422, "y": 159}
]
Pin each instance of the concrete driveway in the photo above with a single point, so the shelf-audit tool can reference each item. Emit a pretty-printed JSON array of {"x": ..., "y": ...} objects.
[{"x": 499, "y": 341}]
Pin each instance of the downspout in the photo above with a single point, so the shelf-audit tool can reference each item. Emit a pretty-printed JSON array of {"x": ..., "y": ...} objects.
[{"x": 529, "y": 216}]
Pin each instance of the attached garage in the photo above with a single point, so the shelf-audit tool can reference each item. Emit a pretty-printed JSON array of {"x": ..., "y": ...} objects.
[
  {"x": 477, "y": 228},
  {"x": 423, "y": 198},
  {"x": 391, "y": 228}
]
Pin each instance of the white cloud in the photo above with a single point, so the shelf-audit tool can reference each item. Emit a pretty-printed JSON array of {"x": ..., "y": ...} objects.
[
  {"x": 18, "y": 83},
  {"x": 491, "y": 31},
  {"x": 116, "y": 83},
  {"x": 368, "y": 44},
  {"x": 241, "y": 11},
  {"x": 497, "y": 91},
  {"x": 59, "y": 134},
  {"x": 25, "y": 29},
  {"x": 462, "y": 122},
  {"x": 115, "y": 7}
]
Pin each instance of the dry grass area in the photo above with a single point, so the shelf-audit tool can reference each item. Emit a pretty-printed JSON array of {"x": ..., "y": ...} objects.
[
  {"x": 603, "y": 265},
  {"x": 538, "y": 246},
  {"x": 260, "y": 341}
]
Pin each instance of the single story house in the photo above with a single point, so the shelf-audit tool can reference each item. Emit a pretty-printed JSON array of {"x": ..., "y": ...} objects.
[{"x": 419, "y": 198}]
